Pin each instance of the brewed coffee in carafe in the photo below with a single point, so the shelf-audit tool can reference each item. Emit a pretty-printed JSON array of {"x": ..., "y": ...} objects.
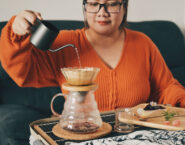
[{"x": 80, "y": 114}]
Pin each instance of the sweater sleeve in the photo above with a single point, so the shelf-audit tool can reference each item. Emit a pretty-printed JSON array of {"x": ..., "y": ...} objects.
[
  {"x": 165, "y": 88},
  {"x": 26, "y": 65}
]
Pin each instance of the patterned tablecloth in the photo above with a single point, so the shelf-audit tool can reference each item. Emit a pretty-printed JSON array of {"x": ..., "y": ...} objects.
[{"x": 151, "y": 137}]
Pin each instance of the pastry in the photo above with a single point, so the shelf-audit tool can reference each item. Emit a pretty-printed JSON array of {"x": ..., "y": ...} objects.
[{"x": 150, "y": 110}]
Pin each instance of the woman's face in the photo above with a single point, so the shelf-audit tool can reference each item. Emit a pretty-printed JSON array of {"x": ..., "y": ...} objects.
[{"x": 104, "y": 22}]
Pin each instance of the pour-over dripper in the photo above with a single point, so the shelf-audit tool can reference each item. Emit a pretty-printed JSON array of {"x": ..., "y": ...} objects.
[{"x": 80, "y": 76}]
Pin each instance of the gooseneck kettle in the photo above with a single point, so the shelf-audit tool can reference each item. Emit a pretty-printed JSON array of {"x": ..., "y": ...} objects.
[{"x": 44, "y": 34}]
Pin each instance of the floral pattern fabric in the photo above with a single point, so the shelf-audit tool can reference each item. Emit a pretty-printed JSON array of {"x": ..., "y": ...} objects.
[{"x": 150, "y": 137}]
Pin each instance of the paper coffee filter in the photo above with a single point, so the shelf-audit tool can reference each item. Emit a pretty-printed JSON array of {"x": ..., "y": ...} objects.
[{"x": 80, "y": 76}]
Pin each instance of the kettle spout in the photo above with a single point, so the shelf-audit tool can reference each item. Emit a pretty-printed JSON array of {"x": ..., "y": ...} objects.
[{"x": 67, "y": 45}]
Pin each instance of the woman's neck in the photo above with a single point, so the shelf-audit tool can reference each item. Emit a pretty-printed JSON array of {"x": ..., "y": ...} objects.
[{"x": 97, "y": 39}]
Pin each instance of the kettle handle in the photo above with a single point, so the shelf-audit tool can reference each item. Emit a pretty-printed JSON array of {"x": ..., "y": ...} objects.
[
  {"x": 43, "y": 34},
  {"x": 51, "y": 104}
]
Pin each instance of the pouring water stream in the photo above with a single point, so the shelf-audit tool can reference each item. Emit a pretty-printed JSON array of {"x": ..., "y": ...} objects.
[{"x": 69, "y": 45}]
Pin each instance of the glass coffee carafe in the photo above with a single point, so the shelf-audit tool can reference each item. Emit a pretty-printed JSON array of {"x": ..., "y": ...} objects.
[{"x": 80, "y": 114}]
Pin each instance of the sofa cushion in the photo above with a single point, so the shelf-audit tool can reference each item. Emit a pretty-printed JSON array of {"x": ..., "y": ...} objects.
[
  {"x": 167, "y": 36},
  {"x": 37, "y": 98},
  {"x": 2, "y": 24},
  {"x": 10, "y": 141},
  {"x": 15, "y": 120},
  {"x": 179, "y": 74}
]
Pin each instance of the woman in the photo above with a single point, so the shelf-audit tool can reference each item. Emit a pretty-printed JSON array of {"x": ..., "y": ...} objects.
[{"x": 132, "y": 68}]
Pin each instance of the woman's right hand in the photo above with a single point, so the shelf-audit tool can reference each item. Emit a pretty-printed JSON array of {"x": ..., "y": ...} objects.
[{"x": 24, "y": 20}]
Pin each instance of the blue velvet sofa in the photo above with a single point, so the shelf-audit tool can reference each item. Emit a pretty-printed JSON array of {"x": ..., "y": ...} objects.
[{"x": 20, "y": 106}]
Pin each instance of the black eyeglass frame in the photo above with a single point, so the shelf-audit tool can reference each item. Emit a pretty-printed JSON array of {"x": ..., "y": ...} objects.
[
  {"x": 123, "y": 1},
  {"x": 103, "y": 5}
]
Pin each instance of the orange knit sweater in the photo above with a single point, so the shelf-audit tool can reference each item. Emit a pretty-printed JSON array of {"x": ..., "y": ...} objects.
[{"x": 140, "y": 76}]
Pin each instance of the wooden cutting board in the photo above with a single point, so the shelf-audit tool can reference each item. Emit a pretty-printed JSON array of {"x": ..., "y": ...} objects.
[{"x": 155, "y": 122}]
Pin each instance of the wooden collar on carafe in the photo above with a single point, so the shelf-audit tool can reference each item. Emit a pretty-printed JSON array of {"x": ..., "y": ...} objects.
[{"x": 69, "y": 87}]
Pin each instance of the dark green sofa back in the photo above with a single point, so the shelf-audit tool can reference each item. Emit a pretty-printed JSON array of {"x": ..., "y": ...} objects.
[{"x": 166, "y": 35}]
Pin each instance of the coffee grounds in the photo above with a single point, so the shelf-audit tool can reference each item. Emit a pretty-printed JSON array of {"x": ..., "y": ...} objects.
[{"x": 83, "y": 127}]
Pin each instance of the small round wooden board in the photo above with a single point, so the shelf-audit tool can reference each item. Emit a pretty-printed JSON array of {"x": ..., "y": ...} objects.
[{"x": 102, "y": 131}]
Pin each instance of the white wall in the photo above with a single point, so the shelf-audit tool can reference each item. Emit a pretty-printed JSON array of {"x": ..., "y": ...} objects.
[
  {"x": 173, "y": 10},
  {"x": 139, "y": 10}
]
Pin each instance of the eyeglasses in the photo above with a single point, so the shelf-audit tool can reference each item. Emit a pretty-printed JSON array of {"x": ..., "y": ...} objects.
[{"x": 111, "y": 7}]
